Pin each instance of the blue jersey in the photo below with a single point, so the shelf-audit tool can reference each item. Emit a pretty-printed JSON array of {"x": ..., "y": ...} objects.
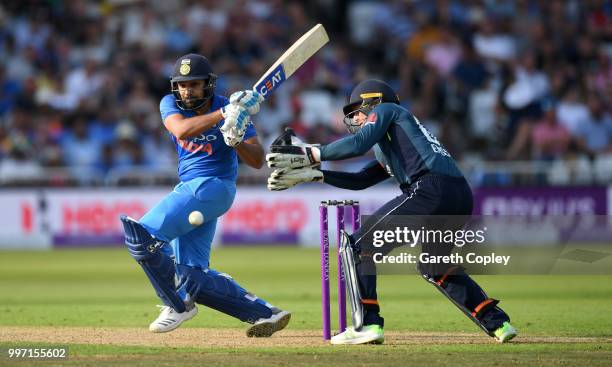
[
  {"x": 206, "y": 155},
  {"x": 401, "y": 144}
]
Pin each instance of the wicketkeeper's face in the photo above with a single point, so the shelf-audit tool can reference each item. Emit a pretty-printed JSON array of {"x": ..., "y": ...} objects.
[
  {"x": 354, "y": 121},
  {"x": 359, "y": 118},
  {"x": 191, "y": 91}
]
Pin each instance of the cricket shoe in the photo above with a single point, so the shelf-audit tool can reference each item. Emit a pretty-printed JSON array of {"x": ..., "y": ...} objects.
[
  {"x": 505, "y": 333},
  {"x": 266, "y": 327},
  {"x": 169, "y": 319},
  {"x": 368, "y": 334}
]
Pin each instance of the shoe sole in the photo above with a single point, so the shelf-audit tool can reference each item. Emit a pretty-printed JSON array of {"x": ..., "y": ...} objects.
[
  {"x": 266, "y": 329},
  {"x": 173, "y": 326},
  {"x": 507, "y": 338},
  {"x": 373, "y": 339}
]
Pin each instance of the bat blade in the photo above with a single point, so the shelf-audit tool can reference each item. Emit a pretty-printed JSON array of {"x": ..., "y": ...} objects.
[{"x": 302, "y": 50}]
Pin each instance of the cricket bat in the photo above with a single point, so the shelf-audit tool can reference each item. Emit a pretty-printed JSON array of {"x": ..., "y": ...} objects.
[{"x": 311, "y": 42}]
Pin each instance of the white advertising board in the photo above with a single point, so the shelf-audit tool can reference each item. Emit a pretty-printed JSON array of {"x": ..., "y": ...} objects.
[{"x": 21, "y": 220}]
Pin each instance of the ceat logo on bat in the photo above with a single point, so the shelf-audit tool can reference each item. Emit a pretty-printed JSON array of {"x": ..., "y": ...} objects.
[{"x": 276, "y": 77}]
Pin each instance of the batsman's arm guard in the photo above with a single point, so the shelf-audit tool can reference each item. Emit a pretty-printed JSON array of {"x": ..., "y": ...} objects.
[
  {"x": 350, "y": 274},
  {"x": 158, "y": 267}
]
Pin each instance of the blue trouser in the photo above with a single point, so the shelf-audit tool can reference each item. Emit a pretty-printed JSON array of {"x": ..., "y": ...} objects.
[
  {"x": 168, "y": 221},
  {"x": 430, "y": 195}
]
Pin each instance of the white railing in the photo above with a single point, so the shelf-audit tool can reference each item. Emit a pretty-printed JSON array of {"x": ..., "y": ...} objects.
[{"x": 578, "y": 171}]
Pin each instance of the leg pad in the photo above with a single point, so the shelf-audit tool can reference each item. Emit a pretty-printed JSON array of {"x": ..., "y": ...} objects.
[
  {"x": 220, "y": 292},
  {"x": 158, "y": 267},
  {"x": 462, "y": 291},
  {"x": 352, "y": 282}
]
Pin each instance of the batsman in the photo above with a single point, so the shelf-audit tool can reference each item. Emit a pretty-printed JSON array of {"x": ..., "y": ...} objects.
[
  {"x": 209, "y": 132},
  {"x": 431, "y": 184}
]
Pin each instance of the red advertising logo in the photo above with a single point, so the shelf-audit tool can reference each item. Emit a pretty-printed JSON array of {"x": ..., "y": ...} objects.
[
  {"x": 27, "y": 217},
  {"x": 98, "y": 217},
  {"x": 265, "y": 216}
]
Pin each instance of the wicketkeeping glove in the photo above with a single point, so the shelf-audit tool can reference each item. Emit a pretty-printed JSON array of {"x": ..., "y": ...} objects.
[
  {"x": 288, "y": 151},
  {"x": 284, "y": 178},
  {"x": 248, "y": 99}
]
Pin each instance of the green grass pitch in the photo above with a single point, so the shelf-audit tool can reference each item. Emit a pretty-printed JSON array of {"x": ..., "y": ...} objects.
[{"x": 561, "y": 319}]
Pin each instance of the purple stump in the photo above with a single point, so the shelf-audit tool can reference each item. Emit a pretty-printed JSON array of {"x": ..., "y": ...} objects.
[
  {"x": 325, "y": 270},
  {"x": 356, "y": 216},
  {"x": 341, "y": 278}
]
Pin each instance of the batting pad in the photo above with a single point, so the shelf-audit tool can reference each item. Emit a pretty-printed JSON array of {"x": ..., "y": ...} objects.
[
  {"x": 158, "y": 267},
  {"x": 220, "y": 292}
]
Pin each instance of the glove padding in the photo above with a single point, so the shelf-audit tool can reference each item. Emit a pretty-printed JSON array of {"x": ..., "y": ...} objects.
[
  {"x": 284, "y": 178},
  {"x": 288, "y": 151},
  {"x": 236, "y": 120},
  {"x": 233, "y": 137},
  {"x": 249, "y": 99}
]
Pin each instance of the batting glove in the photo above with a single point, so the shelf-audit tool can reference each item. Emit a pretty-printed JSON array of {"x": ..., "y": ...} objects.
[
  {"x": 284, "y": 178},
  {"x": 233, "y": 137},
  {"x": 235, "y": 116},
  {"x": 248, "y": 99},
  {"x": 235, "y": 124}
]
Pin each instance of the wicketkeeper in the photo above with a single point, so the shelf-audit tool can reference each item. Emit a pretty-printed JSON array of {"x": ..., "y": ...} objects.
[{"x": 431, "y": 184}]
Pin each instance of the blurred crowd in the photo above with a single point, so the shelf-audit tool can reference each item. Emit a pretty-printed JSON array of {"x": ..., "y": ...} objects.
[{"x": 496, "y": 80}]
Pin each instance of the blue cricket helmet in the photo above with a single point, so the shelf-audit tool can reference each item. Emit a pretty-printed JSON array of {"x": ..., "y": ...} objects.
[
  {"x": 364, "y": 97},
  {"x": 193, "y": 67}
]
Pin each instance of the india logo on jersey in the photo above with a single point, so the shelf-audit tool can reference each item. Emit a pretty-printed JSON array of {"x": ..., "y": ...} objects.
[{"x": 194, "y": 147}]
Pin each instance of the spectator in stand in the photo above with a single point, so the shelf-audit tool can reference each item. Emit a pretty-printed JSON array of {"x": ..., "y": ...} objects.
[
  {"x": 18, "y": 166},
  {"x": 103, "y": 125},
  {"x": 88, "y": 57},
  {"x": 81, "y": 151},
  {"x": 600, "y": 76},
  {"x": 470, "y": 71},
  {"x": 493, "y": 44},
  {"x": 128, "y": 152},
  {"x": 522, "y": 98},
  {"x": 529, "y": 87},
  {"x": 274, "y": 113},
  {"x": 82, "y": 83},
  {"x": 572, "y": 112},
  {"x": 595, "y": 136},
  {"x": 549, "y": 139},
  {"x": 444, "y": 54},
  {"x": 139, "y": 100},
  {"x": 9, "y": 89},
  {"x": 158, "y": 151}
]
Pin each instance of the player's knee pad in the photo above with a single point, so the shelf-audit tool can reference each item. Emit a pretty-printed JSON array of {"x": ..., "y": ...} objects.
[
  {"x": 220, "y": 292},
  {"x": 158, "y": 266},
  {"x": 140, "y": 243}
]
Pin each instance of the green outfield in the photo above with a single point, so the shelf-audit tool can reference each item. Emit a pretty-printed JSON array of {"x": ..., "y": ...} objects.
[{"x": 99, "y": 303}]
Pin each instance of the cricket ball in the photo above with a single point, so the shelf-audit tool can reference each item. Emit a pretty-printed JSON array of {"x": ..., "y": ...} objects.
[{"x": 196, "y": 218}]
